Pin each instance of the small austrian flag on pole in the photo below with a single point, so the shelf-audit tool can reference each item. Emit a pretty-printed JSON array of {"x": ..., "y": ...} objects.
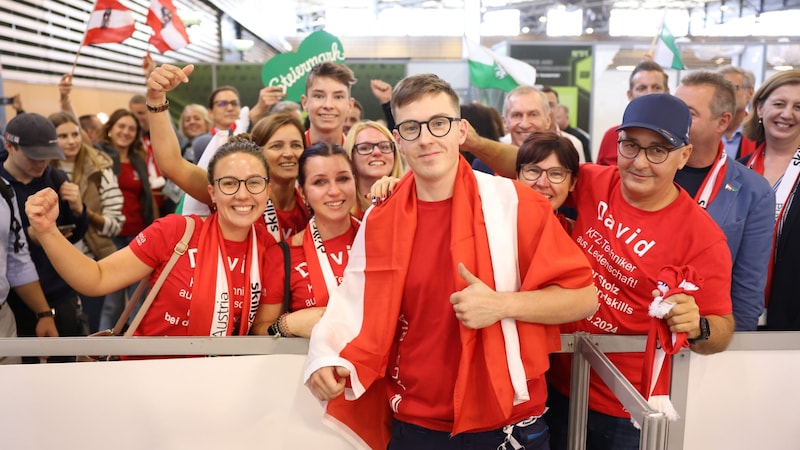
[
  {"x": 110, "y": 22},
  {"x": 169, "y": 33}
]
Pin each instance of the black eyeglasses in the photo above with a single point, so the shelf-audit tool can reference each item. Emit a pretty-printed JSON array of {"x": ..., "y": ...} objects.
[
  {"x": 230, "y": 185},
  {"x": 656, "y": 154},
  {"x": 366, "y": 148},
  {"x": 226, "y": 103},
  {"x": 555, "y": 175},
  {"x": 438, "y": 126}
]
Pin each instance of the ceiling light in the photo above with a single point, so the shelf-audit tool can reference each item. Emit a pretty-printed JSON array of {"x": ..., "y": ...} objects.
[
  {"x": 190, "y": 18},
  {"x": 243, "y": 45}
]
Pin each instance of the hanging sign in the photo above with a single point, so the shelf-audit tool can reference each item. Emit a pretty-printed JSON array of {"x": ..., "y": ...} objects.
[{"x": 290, "y": 69}]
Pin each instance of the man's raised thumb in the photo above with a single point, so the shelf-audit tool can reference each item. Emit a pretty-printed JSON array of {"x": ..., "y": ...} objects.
[{"x": 467, "y": 275}]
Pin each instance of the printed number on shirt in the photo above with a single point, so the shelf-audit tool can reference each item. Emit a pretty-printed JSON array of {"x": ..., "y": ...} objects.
[{"x": 602, "y": 324}]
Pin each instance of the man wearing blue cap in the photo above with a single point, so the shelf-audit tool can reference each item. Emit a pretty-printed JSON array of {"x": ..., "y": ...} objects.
[
  {"x": 633, "y": 223},
  {"x": 31, "y": 143}
]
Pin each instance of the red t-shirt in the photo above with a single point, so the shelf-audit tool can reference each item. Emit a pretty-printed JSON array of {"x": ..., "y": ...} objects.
[
  {"x": 292, "y": 221},
  {"x": 423, "y": 365},
  {"x": 169, "y": 313},
  {"x": 158, "y": 195},
  {"x": 131, "y": 187},
  {"x": 338, "y": 252},
  {"x": 627, "y": 247},
  {"x": 607, "y": 153}
]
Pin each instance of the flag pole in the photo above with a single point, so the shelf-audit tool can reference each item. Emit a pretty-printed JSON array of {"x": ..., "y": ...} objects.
[
  {"x": 75, "y": 63},
  {"x": 652, "y": 51},
  {"x": 83, "y": 38}
]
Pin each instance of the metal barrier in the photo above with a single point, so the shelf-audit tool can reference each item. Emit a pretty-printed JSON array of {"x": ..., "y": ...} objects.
[
  {"x": 585, "y": 349},
  {"x": 586, "y": 355}
]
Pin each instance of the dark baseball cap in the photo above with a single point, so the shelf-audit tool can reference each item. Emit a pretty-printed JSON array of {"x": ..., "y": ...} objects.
[
  {"x": 664, "y": 114},
  {"x": 35, "y": 135}
]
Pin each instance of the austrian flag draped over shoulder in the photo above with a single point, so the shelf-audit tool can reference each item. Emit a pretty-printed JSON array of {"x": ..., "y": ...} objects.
[
  {"x": 169, "y": 33},
  {"x": 110, "y": 22}
]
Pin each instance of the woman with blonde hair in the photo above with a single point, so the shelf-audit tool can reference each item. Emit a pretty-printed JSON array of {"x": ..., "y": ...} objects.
[
  {"x": 774, "y": 124},
  {"x": 194, "y": 121},
  {"x": 373, "y": 151},
  {"x": 92, "y": 171}
]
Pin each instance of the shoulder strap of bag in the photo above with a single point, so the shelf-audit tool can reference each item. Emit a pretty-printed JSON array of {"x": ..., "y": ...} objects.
[
  {"x": 14, "y": 226},
  {"x": 287, "y": 285},
  {"x": 180, "y": 249}
]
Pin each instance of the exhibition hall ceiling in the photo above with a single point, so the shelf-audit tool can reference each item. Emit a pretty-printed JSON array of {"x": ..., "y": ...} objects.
[{"x": 312, "y": 14}]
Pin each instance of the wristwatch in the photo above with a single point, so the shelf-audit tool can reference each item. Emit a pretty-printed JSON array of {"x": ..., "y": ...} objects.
[
  {"x": 705, "y": 331},
  {"x": 49, "y": 313}
]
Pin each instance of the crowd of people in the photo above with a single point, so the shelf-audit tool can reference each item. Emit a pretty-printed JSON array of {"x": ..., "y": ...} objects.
[{"x": 422, "y": 282}]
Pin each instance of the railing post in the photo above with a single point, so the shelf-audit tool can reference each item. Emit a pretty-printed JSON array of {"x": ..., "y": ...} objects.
[
  {"x": 654, "y": 432},
  {"x": 578, "y": 396}
]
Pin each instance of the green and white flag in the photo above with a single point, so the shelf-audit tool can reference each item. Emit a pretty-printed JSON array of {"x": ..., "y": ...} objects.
[
  {"x": 488, "y": 69},
  {"x": 667, "y": 53}
]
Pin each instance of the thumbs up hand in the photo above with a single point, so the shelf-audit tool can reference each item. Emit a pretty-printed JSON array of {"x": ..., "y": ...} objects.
[{"x": 477, "y": 305}]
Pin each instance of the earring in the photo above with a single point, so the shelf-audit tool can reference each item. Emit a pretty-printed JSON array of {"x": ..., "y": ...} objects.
[
  {"x": 761, "y": 121},
  {"x": 213, "y": 206}
]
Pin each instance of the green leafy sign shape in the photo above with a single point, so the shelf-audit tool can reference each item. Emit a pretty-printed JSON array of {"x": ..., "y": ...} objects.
[{"x": 290, "y": 69}]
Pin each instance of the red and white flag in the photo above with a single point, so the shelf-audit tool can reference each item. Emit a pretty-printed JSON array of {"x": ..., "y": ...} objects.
[
  {"x": 169, "y": 33},
  {"x": 110, "y": 22}
]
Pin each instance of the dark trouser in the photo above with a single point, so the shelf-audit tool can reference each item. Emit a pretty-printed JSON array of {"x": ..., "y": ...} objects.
[
  {"x": 69, "y": 318},
  {"x": 93, "y": 307},
  {"x": 406, "y": 436},
  {"x": 603, "y": 432}
]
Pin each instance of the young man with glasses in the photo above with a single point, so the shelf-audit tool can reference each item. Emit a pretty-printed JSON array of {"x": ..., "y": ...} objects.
[
  {"x": 443, "y": 323},
  {"x": 633, "y": 223}
]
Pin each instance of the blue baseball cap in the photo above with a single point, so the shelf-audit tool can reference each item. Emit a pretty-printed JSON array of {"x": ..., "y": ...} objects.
[
  {"x": 664, "y": 114},
  {"x": 35, "y": 135}
]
